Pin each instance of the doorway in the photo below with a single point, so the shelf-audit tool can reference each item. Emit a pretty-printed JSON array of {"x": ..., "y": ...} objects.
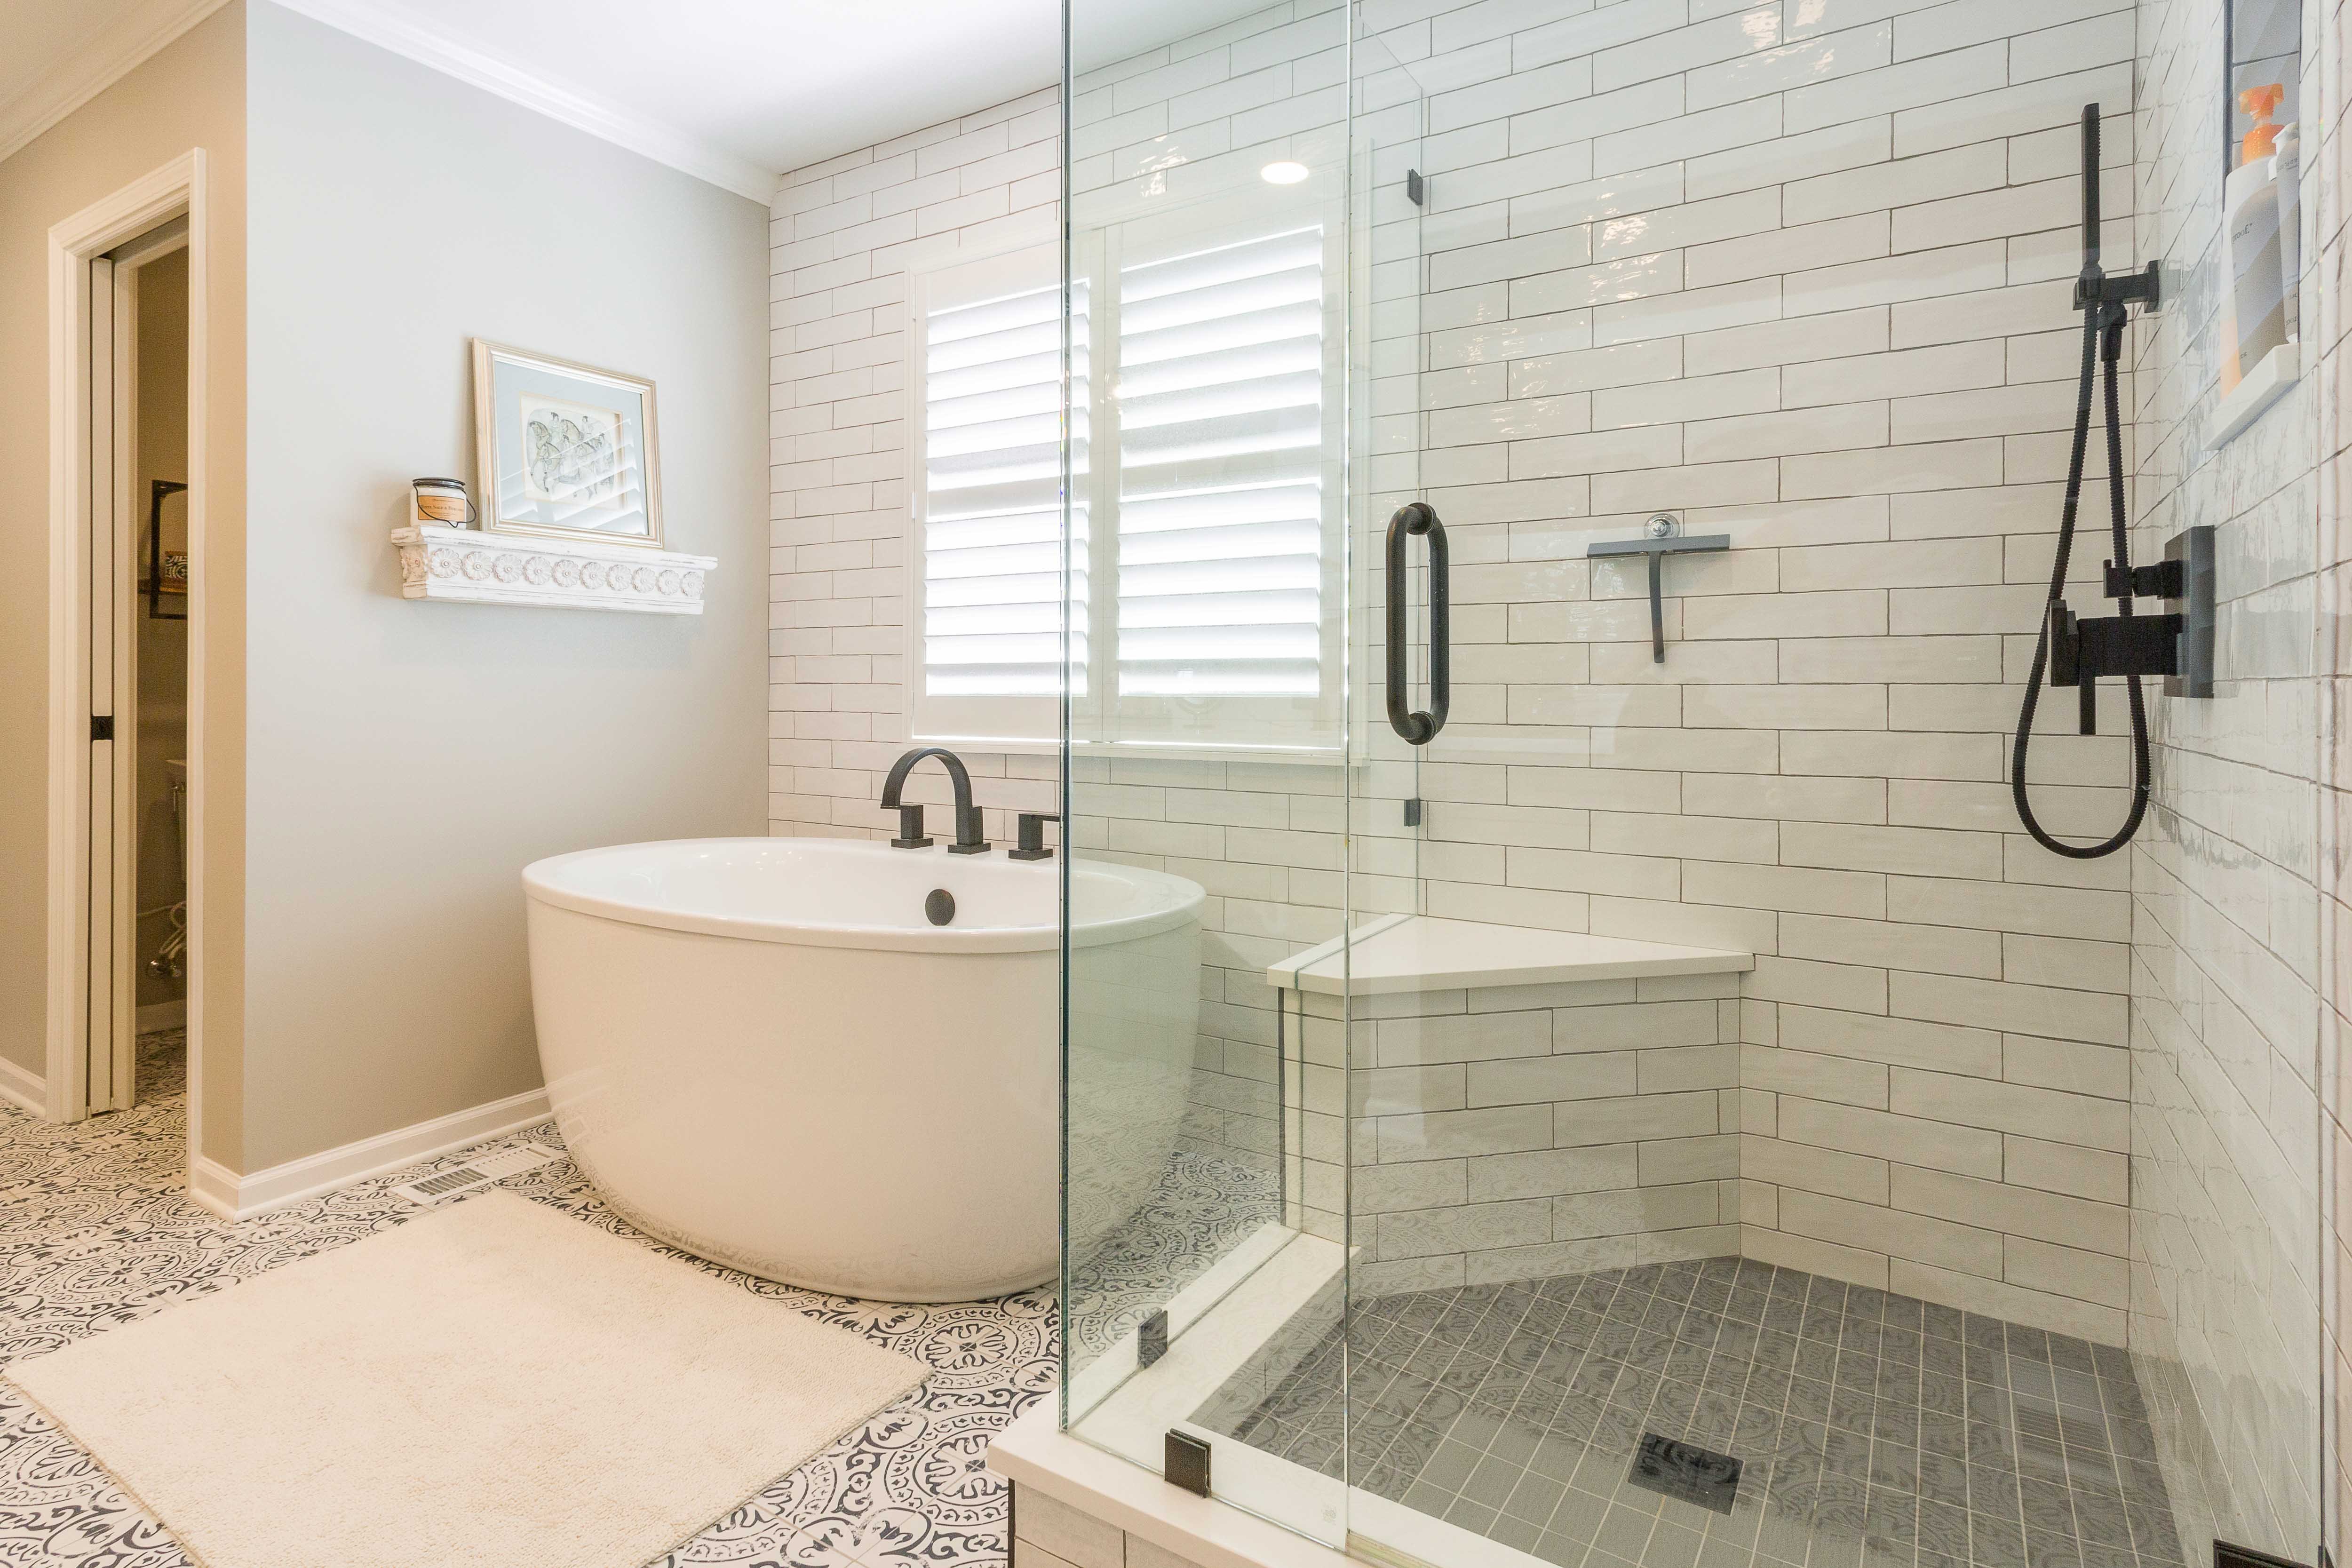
[
  {"x": 127, "y": 509},
  {"x": 144, "y": 1032}
]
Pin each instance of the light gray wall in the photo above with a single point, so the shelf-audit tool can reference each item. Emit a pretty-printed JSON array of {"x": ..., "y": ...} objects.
[
  {"x": 409, "y": 758},
  {"x": 191, "y": 94}
]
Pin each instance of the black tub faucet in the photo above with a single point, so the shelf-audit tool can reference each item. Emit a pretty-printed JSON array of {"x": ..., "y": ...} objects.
[{"x": 968, "y": 840}]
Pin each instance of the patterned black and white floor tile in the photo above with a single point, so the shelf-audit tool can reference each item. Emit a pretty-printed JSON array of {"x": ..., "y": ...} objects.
[{"x": 96, "y": 1231}]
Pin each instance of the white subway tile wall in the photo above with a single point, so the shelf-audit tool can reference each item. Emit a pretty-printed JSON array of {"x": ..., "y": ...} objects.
[
  {"x": 2324, "y": 295},
  {"x": 1799, "y": 272},
  {"x": 2230, "y": 932}
]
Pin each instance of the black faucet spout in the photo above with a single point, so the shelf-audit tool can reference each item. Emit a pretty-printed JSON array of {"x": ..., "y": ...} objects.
[{"x": 968, "y": 840}]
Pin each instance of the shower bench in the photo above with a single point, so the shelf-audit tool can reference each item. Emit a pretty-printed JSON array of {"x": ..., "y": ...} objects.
[
  {"x": 1423, "y": 953},
  {"x": 1528, "y": 1104}
]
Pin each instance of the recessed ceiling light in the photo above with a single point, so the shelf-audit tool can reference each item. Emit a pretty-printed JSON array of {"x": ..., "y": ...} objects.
[{"x": 1285, "y": 173}]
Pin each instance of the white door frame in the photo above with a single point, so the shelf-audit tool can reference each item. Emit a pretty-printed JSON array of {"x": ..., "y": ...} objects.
[{"x": 79, "y": 511}]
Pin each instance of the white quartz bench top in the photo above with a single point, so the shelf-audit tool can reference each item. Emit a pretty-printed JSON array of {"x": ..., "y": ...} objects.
[{"x": 1421, "y": 952}]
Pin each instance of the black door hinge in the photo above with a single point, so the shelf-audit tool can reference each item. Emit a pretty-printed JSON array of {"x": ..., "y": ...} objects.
[
  {"x": 101, "y": 726},
  {"x": 1185, "y": 1462}
]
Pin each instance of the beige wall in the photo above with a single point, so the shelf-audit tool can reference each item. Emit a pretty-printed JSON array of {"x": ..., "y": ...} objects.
[
  {"x": 163, "y": 642},
  {"x": 191, "y": 94},
  {"x": 409, "y": 758}
]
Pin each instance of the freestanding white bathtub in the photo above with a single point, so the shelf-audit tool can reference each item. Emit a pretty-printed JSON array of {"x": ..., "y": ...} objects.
[{"x": 763, "y": 1051}]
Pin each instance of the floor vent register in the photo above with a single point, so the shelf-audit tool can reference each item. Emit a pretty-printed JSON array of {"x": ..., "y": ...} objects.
[{"x": 475, "y": 1174}]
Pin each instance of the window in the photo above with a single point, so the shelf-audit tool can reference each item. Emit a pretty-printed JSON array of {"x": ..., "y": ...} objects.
[
  {"x": 1220, "y": 552},
  {"x": 987, "y": 557},
  {"x": 1220, "y": 471}
]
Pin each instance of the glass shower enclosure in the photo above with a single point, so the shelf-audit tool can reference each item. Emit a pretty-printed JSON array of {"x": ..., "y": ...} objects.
[{"x": 1631, "y": 1096}]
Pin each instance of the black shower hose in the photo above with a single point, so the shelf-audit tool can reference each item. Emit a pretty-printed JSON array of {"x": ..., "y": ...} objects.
[{"x": 2102, "y": 338}]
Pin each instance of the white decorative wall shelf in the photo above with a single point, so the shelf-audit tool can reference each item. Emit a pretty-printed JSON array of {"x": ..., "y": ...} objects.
[
  {"x": 484, "y": 568},
  {"x": 2263, "y": 385}
]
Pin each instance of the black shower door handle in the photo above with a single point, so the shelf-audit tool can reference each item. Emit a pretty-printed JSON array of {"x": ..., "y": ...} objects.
[{"x": 1419, "y": 729}]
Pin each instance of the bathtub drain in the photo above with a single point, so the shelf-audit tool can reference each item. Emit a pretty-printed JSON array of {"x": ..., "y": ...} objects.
[{"x": 940, "y": 907}]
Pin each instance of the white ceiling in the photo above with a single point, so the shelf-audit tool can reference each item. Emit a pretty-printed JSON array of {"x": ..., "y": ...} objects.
[
  {"x": 734, "y": 90},
  {"x": 777, "y": 83}
]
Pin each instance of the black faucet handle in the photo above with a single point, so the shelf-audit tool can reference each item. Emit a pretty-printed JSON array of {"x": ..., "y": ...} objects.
[
  {"x": 1030, "y": 827},
  {"x": 911, "y": 829}
]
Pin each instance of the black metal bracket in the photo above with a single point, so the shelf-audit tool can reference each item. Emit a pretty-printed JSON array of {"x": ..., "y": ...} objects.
[
  {"x": 1657, "y": 550},
  {"x": 2162, "y": 580},
  {"x": 2094, "y": 288},
  {"x": 1184, "y": 1462},
  {"x": 101, "y": 726}
]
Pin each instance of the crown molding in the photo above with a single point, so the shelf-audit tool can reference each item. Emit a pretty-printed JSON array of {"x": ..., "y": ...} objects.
[
  {"x": 97, "y": 65},
  {"x": 391, "y": 27}
]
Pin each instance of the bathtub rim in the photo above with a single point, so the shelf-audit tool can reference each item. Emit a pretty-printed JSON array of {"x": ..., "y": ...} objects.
[{"x": 540, "y": 885}]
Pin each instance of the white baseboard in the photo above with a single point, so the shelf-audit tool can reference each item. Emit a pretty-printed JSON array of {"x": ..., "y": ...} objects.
[
  {"x": 21, "y": 1087},
  {"x": 225, "y": 1192},
  {"x": 212, "y": 1186},
  {"x": 154, "y": 1016}
]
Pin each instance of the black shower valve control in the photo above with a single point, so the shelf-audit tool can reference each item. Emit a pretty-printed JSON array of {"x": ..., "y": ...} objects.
[
  {"x": 2084, "y": 649},
  {"x": 2177, "y": 645}
]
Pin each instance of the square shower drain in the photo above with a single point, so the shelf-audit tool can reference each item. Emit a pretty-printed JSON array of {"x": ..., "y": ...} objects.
[{"x": 1684, "y": 1470}]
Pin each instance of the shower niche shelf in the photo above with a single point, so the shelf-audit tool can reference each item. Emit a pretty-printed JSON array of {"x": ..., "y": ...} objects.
[
  {"x": 2269, "y": 381},
  {"x": 473, "y": 566}
]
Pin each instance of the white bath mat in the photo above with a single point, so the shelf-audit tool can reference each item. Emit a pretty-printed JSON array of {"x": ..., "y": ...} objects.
[{"x": 492, "y": 1383}]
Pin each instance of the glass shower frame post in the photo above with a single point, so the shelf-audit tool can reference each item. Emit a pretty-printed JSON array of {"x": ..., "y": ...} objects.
[{"x": 1180, "y": 253}]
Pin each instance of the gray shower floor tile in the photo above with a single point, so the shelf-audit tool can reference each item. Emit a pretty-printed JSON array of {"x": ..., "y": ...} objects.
[{"x": 1873, "y": 1430}]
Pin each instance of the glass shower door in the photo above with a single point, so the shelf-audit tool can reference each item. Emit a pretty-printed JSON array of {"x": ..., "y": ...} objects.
[
  {"x": 1972, "y": 1226},
  {"x": 1833, "y": 1263},
  {"x": 1207, "y": 731}
]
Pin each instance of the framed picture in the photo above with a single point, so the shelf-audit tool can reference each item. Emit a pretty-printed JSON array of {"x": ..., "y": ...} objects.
[
  {"x": 166, "y": 574},
  {"x": 564, "y": 449}
]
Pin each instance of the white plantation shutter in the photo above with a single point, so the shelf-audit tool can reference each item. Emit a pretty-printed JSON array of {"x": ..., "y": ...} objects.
[
  {"x": 1221, "y": 508},
  {"x": 988, "y": 499},
  {"x": 1225, "y": 554}
]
